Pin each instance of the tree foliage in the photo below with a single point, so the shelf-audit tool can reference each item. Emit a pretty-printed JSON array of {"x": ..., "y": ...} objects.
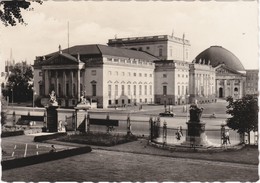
[
  {"x": 10, "y": 11},
  {"x": 19, "y": 87},
  {"x": 244, "y": 114}
]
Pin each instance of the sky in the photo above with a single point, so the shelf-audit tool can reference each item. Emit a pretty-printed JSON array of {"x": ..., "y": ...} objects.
[{"x": 232, "y": 25}]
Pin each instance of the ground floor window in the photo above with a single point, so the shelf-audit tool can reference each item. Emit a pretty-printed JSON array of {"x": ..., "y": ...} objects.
[
  {"x": 145, "y": 100},
  {"x": 116, "y": 101},
  {"x": 109, "y": 102},
  {"x": 129, "y": 101}
]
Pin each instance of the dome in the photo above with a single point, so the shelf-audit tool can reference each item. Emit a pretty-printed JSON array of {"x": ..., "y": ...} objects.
[{"x": 218, "y": 55}]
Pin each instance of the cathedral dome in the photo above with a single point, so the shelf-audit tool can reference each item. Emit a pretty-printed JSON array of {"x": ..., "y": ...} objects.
[{"x": 218, "y": 55}]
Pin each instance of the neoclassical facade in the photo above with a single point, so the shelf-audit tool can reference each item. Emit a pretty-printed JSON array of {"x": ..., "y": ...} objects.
[
  {"x": 164, "y": 47},
  {"x": 252, "y": 82},
  {"x": 230, "y": 73},
  {"x": 106, "y": 75},
  {"x": 171, "y": 82}
]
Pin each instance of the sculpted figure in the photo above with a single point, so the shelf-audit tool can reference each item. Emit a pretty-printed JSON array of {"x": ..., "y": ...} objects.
[{"x": 195, "y": 112}]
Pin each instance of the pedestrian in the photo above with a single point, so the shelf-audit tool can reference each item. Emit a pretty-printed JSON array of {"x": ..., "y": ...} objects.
[
  {"x": 53, "y": 149},
  {"x": 227, "y": 136}
]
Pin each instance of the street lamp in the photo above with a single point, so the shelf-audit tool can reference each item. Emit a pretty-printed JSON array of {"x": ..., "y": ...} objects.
[
  {"x": 34, "y": 93},
  {"x": 12, "y": 97},
  {"x": 187, "y": 97}
]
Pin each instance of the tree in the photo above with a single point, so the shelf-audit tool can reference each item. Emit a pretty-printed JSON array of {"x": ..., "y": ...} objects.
[
  {"x": 244, "y": 114},
  {"x": 10, "y": 11},
  {"x": 19, "y": 82},
  {"x": 3, "y": 111}
]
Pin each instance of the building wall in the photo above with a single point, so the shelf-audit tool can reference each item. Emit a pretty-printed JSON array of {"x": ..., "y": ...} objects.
[
  {"x": 171, "y": 82},
  {"x": 202, "y": 83},
  {"x": 251, "y": 86},
  {"x": 125, "y": 76},
  {"x": 171, "y": 47}
]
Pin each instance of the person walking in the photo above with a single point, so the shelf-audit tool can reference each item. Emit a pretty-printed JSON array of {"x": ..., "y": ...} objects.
[{"x": 227, "y": 136}]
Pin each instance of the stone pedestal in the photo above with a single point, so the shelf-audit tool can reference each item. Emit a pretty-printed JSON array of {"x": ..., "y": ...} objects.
[
  {"x": 196, "y": 134},
  {"x": 81, "y": 117},
  {"x": 52, "y": 119}
]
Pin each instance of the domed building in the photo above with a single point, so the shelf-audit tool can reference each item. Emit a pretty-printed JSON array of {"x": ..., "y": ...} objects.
[{"x": 230, "y": 73}]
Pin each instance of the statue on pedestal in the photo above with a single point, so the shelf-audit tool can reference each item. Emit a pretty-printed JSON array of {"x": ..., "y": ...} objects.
[
  {"x": 53, "y": 101},
  {"x": 195, "y": 112}
]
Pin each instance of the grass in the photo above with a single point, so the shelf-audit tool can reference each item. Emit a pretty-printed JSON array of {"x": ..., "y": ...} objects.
[{"x": 99, "y": 139}]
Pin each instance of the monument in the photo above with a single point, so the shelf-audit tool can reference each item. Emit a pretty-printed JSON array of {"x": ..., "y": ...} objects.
[
  {"x": 81, "y": 114},
  {"x": 196, "y": 128},
  {"x": 52, "y": 117}
]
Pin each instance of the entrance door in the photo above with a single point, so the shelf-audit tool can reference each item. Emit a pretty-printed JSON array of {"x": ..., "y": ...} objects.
[{"x": 220, "y": 94}]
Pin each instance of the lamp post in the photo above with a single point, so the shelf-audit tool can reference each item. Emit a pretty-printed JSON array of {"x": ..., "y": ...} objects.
[
  {"x": 34, "y": 93},
  {"x": 187, "y": 97},
  {"x": 12, "y": 97}
]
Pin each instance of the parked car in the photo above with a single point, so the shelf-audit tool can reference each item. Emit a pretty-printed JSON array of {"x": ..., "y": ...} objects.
[{"x": 167, "y": 114}]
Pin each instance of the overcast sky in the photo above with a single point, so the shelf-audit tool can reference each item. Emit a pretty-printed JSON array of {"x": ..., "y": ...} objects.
[{"x": 232, "y": 25}]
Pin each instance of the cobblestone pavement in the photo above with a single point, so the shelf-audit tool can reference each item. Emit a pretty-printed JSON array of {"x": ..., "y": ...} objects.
[
  {"x": 102, "y": 165},
  {"x": 136, "y": 161}
]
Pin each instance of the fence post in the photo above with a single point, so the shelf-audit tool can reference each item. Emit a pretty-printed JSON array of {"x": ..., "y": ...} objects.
[
  {"x": 151, "y": 128},
  {"x": 164, "y": 132},
  {"x": 88, "y": 125},
  {"x": 128, "y": 125},
  {"x": 14, "y": 117}
]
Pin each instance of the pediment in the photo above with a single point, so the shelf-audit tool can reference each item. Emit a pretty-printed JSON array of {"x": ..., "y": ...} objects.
[
  {"x": 224, "y": 70},
  {"x": 61, "y": 59}
]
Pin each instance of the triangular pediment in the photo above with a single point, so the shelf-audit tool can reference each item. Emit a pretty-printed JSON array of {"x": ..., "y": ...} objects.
[
  {"x": 222, "y": 69},
  {"x": 61, "y": 59}
]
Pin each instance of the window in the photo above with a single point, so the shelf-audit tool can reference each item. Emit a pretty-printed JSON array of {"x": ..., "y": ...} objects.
[
  {"x": 178, "y": 75},
  {"x": 74, "y": 90},
  {"x": 109, "y": 73},
  {"x": 140, "y": 74},
  {"x": 116, "y": 73},
  {"x": 151, "y": 75},
  {"x": 67, "y": 89},
  {"x": 129, "y": 74},
  {"x": 182, "y": 90},
  {"x": 116, "y": 101},
  {"x": 164, "y": 90},
  {"x": 160, "y": 52},
  {"x": 109, "y": 59},
  {"x": 129, "y": 89},
  {"x": 116, "y": 90},
  {"x": 109, "y": 102},
  {"x": 109, "y": 90},
  {"x": 94, "y": 89},
  {"x": 140, "y": 89},
  {"x": 123, "y": 74},
  {"x": 93, "y": 72},
  {"x": 134, "y": 89},
  {"x": 145, "y": 89},
  {"x": 178, "y": 89},
  {"x": 116, "y": 59},
  {"x": 164, "y": 75},
  {"x": 129, "y": 101},
  {"x": 151, "y": 89},
  {"x": 134, "y": 74},
  {"x": 145, "y": 75},
  {"x": 140, "y": 100},
  {"x": 171, "y": 52},
  {"x": 123, "y": 89}
]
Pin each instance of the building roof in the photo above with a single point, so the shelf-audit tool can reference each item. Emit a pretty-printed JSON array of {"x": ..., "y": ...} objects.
[
  {"x": 103, "y": 50},
  {"x": 55, "y": 59},
  {"x": 218, "y": 55}
]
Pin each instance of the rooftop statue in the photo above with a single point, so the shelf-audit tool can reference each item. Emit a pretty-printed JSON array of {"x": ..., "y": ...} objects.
[{"x": 195, "y": 112}]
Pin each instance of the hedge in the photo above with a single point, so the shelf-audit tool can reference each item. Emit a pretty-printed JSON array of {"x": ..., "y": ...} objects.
[
  {"x": 48, "y": 137},
  {"x": 12, "y": 133},
  {"x": 30, "y": 160}
]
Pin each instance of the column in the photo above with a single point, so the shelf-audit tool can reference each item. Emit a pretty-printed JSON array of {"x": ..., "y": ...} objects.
[
  {"x": 224, "y": 88},
  {"x": 64, "y": 84},
  {"x": 72, "y": 81},
  {"x": 78, "y": 85},
  {"x": 47, "y": 84},
  {"x": 57, "y": 84},
  {"x": 43, "y": 83}
]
